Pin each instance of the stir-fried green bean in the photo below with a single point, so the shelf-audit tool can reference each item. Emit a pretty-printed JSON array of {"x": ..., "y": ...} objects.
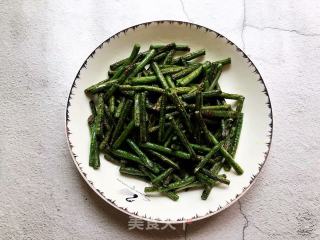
[{"x": 165, "y": 120}]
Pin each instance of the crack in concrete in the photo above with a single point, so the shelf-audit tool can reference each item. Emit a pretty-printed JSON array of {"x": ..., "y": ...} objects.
[
  {"x": 184, "y": 10},
  {"x": 246, "y": 223},
  {"x": 284, "y": 30},
  {"x": 244, "y": 23}
]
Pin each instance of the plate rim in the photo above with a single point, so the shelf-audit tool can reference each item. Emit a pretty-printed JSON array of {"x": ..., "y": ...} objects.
[{"x": 135, "y": 214}]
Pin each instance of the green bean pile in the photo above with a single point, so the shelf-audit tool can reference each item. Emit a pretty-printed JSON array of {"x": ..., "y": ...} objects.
[{"x": 163, "y": 118}]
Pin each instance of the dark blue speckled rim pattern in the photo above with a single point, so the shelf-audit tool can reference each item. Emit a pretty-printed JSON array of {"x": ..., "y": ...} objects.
[{"x": 136, "y": 214}]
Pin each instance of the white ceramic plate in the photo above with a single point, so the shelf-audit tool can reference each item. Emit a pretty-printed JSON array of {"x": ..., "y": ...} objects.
[{"x": 126, "y": 194}]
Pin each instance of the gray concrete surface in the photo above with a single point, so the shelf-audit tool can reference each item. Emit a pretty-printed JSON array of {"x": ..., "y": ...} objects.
[{"x": 42, "y": 46}]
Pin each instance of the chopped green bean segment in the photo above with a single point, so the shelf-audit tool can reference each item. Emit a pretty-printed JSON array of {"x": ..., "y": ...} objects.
[
  {"x": 162, "y": 118},
  {"x": 105, "y": 140},
  {"x": 183, "y": 90},
  {"x": 217, "y": 107},
  {"x": 166, "y": 48},
  {"x": 143, "y": 117},
  {"x": 126, "y": 155},
  {"x": 195, "y": 184},
  {"x": 189, "y": 56},
  {"x": 100, "y": 87},
  {"x": 119, "y": 107},
  {"x": 216, "y": 77},
  {"x": 100, "y": 114},
  {"x": 209, "y": 74},
  {"x": 159, "y": 75},
  {"x": 184, "y": 72},
  {"x": 219, "y": 113},
  {"x": 164, "y": 159},
  {"x": 112, "y": 104},
  {"x": 178, "y": 154},
  {"x": 131, "y": 171},
  {"x": 178, "y": 47},
  {"x": 170, "y": 82},
  {"x": 223, "y": 61},
  {"x": 160, "y": 57},
  {"x": 162, "y": 176},
  {"x": 200, "y": 148},
  {"x": 125, "y": 111},
  {"x": 181, "y": 183},
  {"x": 216, "y": 177},
  {"x": 123, "y": 135},
  {"x": 136, "y": 110},
  {"x": 189, "y": 78},
  {"x": 208, "y": 94},
  {"x": 143, "y": 80},
  {"x": 141, "y": 88},
  {"x": 94, "y": 160},
  {"x": 237, "y": 135},
  {"x": 170, "y": 70},
  {"x": 169, "y": 57}
]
